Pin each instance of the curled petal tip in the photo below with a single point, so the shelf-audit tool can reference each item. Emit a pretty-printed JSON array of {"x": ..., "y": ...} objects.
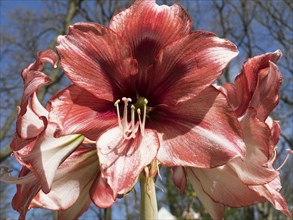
[{"x": 278, "y": 53}]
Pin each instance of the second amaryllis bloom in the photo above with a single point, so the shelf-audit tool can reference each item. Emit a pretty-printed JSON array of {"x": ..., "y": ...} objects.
[
  {"x": 244, "y": 182},
  {"x": 142, "y": 90}
]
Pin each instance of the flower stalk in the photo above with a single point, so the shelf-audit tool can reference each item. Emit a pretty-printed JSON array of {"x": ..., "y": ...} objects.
[{"x": 148, "y": 199}]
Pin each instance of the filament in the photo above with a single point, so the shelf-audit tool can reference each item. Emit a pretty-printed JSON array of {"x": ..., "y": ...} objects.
[
  {"x": 287, "y": 157},
  {"x": 129, "y": 129}
]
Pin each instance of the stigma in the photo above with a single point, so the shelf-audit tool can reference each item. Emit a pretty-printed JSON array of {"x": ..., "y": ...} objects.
[{"x": 139, "y": 110}]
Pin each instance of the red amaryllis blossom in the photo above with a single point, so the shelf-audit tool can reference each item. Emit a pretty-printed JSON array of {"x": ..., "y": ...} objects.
[
  {"x": 46, "y": 180},
  {"x": 244, "y": 182},
  {"x": 34, "y": 144},
  {"x": 142, "y": 90},
  {"x": 70, "y": 190}
]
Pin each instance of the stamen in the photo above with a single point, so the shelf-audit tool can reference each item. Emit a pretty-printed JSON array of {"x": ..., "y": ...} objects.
[
  {"x": 139, "y": 119},
  {"x": 125, "y": 120},
  {"x": 133, "y": 130},
  {"x": 116, "y": 104},
  {"x": 130, "y": 129},
  {"x": 144, "y": 115},
  {"x": 275, "y": 154},
  {"x": 287, "y": 157},
  {"x": 142, "y": 123}
]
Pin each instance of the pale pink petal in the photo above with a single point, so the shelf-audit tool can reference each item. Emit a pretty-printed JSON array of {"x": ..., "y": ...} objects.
[
  {"x": 266, "y": 95},
  {"x": 179, "y": 178},
  {"x": 101, "y": 193},
  {"x": 149, "y": 27},
  {"x": 186, "y": 67},
  {"x": 28, "y": 126},
  {"x": 48, "y": 153},
  {"x": 241, "y": 92},
  {"x": 202, "y": 132},
  {"x": 46, "y": 56},
  {"x": 26, "y": 191},
  {"x": 73, "y": 179},
  {"x": 123, "y": 160},
  {"x": 33, "y": 122},
  {"x": 223, "y": 186},
  {"x": 255, "y": 168},
  {"x": 37, "y": 107},
  {"x": 77, "y": 111},
  {"x": 96, "y": 59},
  {"x": 34, "y": 79},
  {"x": 20, "y": 144},
  {"x": 78, "y": 208},
  {"x": 216, "y": 210},
  {"x": 275, "y": 137},
  {"x": 271, "y": 192}
]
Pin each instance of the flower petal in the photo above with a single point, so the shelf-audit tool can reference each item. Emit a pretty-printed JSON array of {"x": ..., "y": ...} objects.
[
  {"x": 33, "y": 78},
  {"x": 123, "y": 160},
  {"x": 33, "y": 121},
  {"x": 255, "y": 168},
  {"x": 101, "y": 193},
  {"x": 271, "y": 192},
  {"x": 240, "y": 93},
  {"x": 48, "y": 153},
  {"x": 202, "y": 132},
  {"x": 275, "y": 134},
  {"x": 223, "y": 186},
  {"x": 97, "y": 59},
  {"x": 25, "y": 193},
  {"x": 179, "y": 178},
  {"x": 77, "y": 111},
  {"x": 149, "y": 27},
  {"x": 186, "y": 67},
  {"x": 78, "y": 208},
  {"x": 216, "y": 210},
  {"x": 266, "y": 95},
  {"x": 73, "y": 179}
]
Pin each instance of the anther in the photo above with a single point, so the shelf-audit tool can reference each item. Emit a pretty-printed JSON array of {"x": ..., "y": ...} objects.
[{"x": 117, "y": 103}]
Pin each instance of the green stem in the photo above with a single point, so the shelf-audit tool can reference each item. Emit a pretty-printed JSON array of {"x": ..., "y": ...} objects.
[
  {"x": 108, "y": 213},
  {"x": 148, "y": 199}
]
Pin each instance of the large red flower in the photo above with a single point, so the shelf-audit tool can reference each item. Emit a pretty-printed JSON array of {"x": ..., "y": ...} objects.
[{"x": 142, "y": 90}]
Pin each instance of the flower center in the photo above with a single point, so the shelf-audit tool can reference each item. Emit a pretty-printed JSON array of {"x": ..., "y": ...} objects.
[{"x": 129, "y": 129}]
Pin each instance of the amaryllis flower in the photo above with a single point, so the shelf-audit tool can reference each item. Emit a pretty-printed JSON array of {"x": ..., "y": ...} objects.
[
  {"x": 142, "y": 90},
  {"x": 34, "y": 144},
  {"x": 43, "y": 182},
  {"x": 74, "y": 181},
  {"x": 244, "y": 182}
]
